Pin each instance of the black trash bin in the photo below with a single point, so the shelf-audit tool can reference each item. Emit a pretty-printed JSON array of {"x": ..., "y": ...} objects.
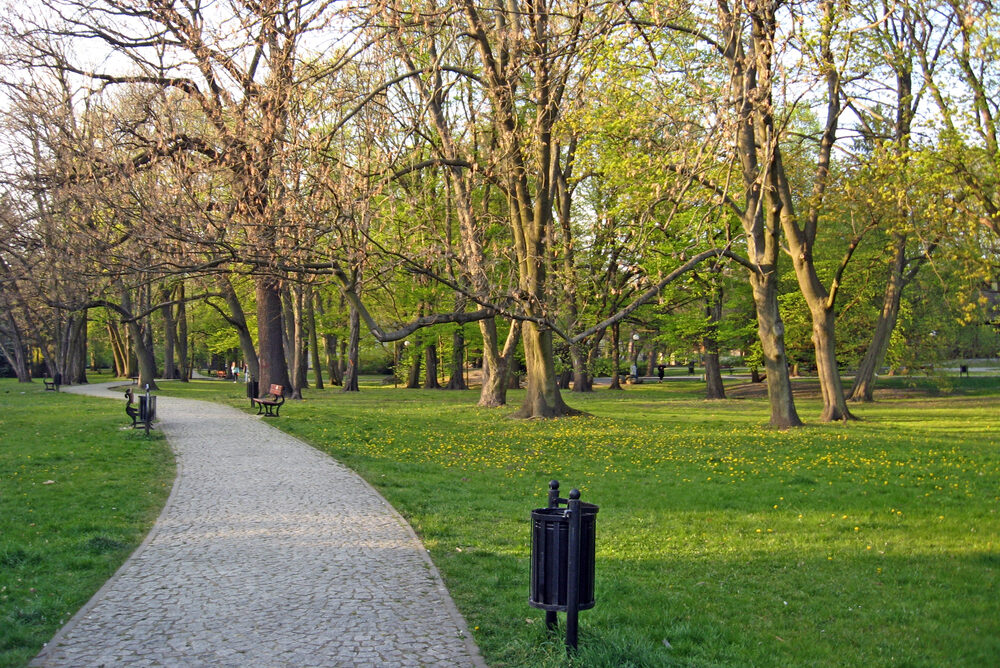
[
  {"x": 252, "y": 387},
  {"x": 147, "y": 407},
  {"x": 550, "y": 558},
  {"x": 563, "y": 543}
]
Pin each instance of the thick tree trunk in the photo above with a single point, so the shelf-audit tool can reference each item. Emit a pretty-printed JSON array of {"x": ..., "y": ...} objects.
[
  {"x": 287, "y": 333},
  {"x": 542, "y": 399},
  {"x": 457, "y": 379},
  {"x": 15, "y": 350},
  {"x": 146, "y": 325},
  {"x": 413, "y": 377},
  {"x": 273, "y": 370},
  {"x": 582, "y": 380},
  {"x": 118, "y": 353},
  {"x": 184, "y": 368},
  {"x": 317, "y": 364},
  {"x": 616, "y": 383},
  {"x": 823, "y": 335},
  {"x": 144, "y": 354},
  {"x": 864, "y": 381},
  {"x": 351, "y": 373},
  {"x": 330, "y": 344},
  {"x": 169, "y": 338},
  {"x": 237, "y": 318},
  {"x": 431, "y": 375},
  {"x": 78, "y": 368},
  {"x": 495, "y": 363},
  {"x": 513, "y": 375},
  {"x": 834, "y": 403},
  {"x": 771, "y": 331},
  {"x": 710, "y": 343},
  {"x": 298, "y": 342},
  {"x": 564, "y": 379},
  {"x": 332, "y": 362}
]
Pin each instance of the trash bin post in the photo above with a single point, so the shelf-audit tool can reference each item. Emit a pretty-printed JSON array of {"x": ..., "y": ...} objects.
[
  {"x": 573, "y": 569},
  {"x": 551, "y": 621}
]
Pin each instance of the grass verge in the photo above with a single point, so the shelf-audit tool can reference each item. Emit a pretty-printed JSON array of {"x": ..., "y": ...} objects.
[
  {"x": 77, "y": 495},
  {"x": 720, "y": 542}
]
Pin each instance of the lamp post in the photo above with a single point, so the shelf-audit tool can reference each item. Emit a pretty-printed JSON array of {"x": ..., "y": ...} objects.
[{"x": 635, "y": 358}]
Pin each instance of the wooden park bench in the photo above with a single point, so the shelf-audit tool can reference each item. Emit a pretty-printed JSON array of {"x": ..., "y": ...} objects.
[
  {"x": 220, "y": 374},
  {"x": 270, "y": 403},
  {"x": 53, "y": 385}
]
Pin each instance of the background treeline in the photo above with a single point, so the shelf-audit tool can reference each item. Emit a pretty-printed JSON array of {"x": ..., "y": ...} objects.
[{"x": 547, "y": 190}]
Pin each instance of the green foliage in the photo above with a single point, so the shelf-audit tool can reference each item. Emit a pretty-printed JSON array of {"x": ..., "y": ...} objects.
[{"x": 77, "y": 495}]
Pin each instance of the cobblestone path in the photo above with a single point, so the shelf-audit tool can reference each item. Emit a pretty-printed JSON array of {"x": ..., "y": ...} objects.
[{"x": 268, "y": 553}]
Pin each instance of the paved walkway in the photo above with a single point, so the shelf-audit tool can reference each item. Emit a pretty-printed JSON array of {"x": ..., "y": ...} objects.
[{"x": 268, "y": 553}]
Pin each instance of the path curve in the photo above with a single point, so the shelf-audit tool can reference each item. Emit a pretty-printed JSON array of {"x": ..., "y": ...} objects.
[{"x": 267, "y": 553}]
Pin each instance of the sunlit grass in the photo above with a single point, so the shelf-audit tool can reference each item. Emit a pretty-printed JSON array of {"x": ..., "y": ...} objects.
[
  {"x": 869, "y": 543},
  {"x": 77, "y": 494}
]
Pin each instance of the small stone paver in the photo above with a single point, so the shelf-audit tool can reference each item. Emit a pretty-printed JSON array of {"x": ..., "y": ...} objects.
[{"x": 268, "y": 553}]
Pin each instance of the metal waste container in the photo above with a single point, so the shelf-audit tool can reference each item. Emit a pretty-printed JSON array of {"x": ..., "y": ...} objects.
[
  {"x": 252, "y": 387},
  {"x": 147, "y": 407},
  {"x": 550, "y": 558},
  {"x": 563, "y": 547}
]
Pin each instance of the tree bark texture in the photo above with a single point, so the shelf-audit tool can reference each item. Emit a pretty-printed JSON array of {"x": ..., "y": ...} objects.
[
  {"x": 169, "y": 336},
  {"x": 496, "y": 363},
  {"x": 542, "y": 399},
  {"x": 14, "y": 349},
  {"x": 431, "y": 374},
  {"x": 457, "y": 379},
  {"x": 317, "y": 364},
  {"x": 353, "y": 356},
  {"x": 710, "y": 344},
  {"x": 582, "y": 380},
  {"x": 237, "y": 318},
  {"x": 184, "y": 368},
  {"x": 273, "y": 369},
  {"x": 616, "y": 383},
  {"x": 413, "y": 377},
  {"x": 864, "y": 381},
  {"x": 144, "y": 353},
  {"x": 771, "y": 331},
  {"x": 298, "y": 343}
]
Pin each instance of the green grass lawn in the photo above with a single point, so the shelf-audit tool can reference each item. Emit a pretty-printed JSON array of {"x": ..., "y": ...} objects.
[
  {"x": 720, "y": 542},
  {"x": 77, "y": 495}
]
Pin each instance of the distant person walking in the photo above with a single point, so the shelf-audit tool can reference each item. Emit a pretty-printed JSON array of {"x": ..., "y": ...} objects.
[
  {"x": 235, "y": 372},
  {"x": 659, "y": 372}
]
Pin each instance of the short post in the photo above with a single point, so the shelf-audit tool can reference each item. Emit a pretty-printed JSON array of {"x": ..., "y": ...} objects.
[
  {"x": 573, "y": 569},
  {"x": 551, "y": 621}
]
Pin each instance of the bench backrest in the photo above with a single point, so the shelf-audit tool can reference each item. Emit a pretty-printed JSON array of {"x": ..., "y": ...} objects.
[{"x": 276, "y": 390}]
